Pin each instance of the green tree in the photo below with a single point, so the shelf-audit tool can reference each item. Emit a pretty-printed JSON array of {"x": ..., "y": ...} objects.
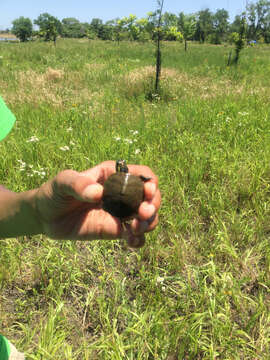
[
  {"x": 169, "y": 19},
  {"x": 239, "y": 39},
  {"x": 72, "y": 27},
  {"x": 187, "y": 26},
  {"x": 96, "y": 26},
  {"x": 235, "y": 26},
  {"x": 204, "y": 25},
  {"x": 171, "y": 33},
  {"x": 142, "y": 26},
  {"x": 129, "y": 24},
  {"x": 258, "y": 16},
  {"x": 107, "y": 32},
  {"x": 22, "y": 28},
  {"x": 49, "y": 26},
  {"x": 220, "y": 25},
  {"x": 169, "y": 27},
  {"x": 152, "y": 24}
]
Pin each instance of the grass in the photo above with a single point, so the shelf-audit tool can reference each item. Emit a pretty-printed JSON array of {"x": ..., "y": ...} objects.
[{"x": 200, "y": 287}]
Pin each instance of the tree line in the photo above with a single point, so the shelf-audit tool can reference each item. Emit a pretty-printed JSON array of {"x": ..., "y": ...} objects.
[{"x": 202, "y": 26}]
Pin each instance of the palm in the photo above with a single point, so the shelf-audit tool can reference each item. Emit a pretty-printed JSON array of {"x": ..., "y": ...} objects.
[
  {"x": 74, "y": 219},
  {"x": 70, "y": 205}
]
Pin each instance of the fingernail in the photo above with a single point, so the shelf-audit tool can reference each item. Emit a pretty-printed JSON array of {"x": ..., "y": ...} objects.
[
  {"x": 151, "y": 210},
  {"x": 152, "y": 187}
]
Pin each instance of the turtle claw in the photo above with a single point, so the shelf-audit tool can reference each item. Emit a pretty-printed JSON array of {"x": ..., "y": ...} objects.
[{"x": 144, "y": 178}]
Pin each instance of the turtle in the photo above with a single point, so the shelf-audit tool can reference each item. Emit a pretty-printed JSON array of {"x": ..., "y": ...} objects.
[{"x": 123, "y": 192}]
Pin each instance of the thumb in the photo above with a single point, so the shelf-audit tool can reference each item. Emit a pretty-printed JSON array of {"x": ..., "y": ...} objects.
[
  {"x": 92, "y": 193},
  {"x": 81, "y": 187}
]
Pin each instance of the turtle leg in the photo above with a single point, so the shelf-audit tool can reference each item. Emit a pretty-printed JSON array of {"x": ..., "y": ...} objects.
[
  {"x": 144, "y": 178},
  {"x": 134, "y": 241}
]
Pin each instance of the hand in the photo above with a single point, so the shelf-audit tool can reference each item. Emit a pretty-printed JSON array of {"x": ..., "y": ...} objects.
[{"x": 70, "y": 206}]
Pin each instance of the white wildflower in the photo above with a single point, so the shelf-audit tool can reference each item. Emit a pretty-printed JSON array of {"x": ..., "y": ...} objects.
[
  {"x": 128, "y": 141},
  {"x": 134, "y": 132},
  {"x": 64, "y": 148},
  {"x": 72, "y": 143},
  {"x": 117, "y": 138},
  {"x": 22, "y": 163},
  {"x": 243, "y": 113},
  {"x": 69, "y": 129},
  {"x": 160, "y": 280},
  {"x": 32, "y": 139},
  {"x": 137, "y": 151}
]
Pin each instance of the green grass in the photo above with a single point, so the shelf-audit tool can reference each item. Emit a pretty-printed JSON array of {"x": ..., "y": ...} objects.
[{"x": 200, "y": 288}]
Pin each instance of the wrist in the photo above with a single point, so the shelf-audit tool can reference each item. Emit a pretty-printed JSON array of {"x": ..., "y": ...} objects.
[
  {"x": 28, "y": 204},
  {"x": 19, "y": 214}
]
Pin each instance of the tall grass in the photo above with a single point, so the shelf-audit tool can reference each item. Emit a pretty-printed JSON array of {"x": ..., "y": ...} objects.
[{"x": 199, "y": 289}]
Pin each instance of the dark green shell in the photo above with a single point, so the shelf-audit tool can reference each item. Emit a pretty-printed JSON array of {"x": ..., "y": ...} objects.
[{"x": 123, "y": 194}]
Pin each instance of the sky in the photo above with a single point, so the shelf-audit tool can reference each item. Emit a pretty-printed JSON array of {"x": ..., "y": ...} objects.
[{"x": 86, "y": 10}]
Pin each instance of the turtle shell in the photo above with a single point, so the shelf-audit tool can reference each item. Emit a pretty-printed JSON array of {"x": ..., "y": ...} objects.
[{"x": 123, "y": 194}]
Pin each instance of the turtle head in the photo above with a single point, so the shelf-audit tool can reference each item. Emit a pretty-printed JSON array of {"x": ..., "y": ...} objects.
[{"x": 121, "y": 166}]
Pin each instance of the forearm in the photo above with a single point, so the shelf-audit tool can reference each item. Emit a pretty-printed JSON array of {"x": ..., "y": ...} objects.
[{"x": 18, "y": 214}]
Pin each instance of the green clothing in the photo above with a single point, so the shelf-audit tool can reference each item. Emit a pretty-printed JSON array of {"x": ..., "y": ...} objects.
[
  {"x": 7, "y": 119},
  {"x": 4, "y": 348}
]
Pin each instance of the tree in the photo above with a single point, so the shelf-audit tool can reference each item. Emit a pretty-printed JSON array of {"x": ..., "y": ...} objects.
[
  {"x": 158, "y": 56},
  {"x": 239, "y": 40},
  {"x": 96, "y": 26},
  {"x": 22, "y": 28},
  {"x": 72, "y": 27},
  {"x": 171, "y": 33},
  {"x": 152, "y": 24},
  {"x": 169, "y": 19},
  {"x": 142, "y": 26},
  {"x": 170, "y": 29},
  {"x": 129, "y": 23},
  {"x": 258, "y": 16},
  {"x": 107, "y": 32},
  {"x": 220, "y": 24},
  {"x": 235, "y": 26},
  {"x": 187, "y": 26},
  {"x": 49, "y": 26},
  {"x": 204, "y": 25}
]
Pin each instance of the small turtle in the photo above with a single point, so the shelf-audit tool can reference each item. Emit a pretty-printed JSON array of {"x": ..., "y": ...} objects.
[{"x": 123, "y": 192}]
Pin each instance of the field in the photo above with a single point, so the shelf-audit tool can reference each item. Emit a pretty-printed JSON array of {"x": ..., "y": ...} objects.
[{"x": 200, "y": 287}]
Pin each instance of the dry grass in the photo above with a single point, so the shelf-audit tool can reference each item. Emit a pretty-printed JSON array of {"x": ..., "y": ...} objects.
[
  {"x": 180, "y": 84},
  {"x": 60, "y": 87},
  {"x": 95, "y": 67},
  {"x": 54, "y": 86},
  {"x": 52, "y": 75},
  {"x": 7, "y": 36}
]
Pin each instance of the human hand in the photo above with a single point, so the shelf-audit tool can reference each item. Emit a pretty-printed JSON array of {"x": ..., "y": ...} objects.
[{"x": 70, "y": 206}]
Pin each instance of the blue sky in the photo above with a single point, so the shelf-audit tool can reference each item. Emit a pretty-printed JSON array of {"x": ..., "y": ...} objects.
[{"x": 85, "y": 10}]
